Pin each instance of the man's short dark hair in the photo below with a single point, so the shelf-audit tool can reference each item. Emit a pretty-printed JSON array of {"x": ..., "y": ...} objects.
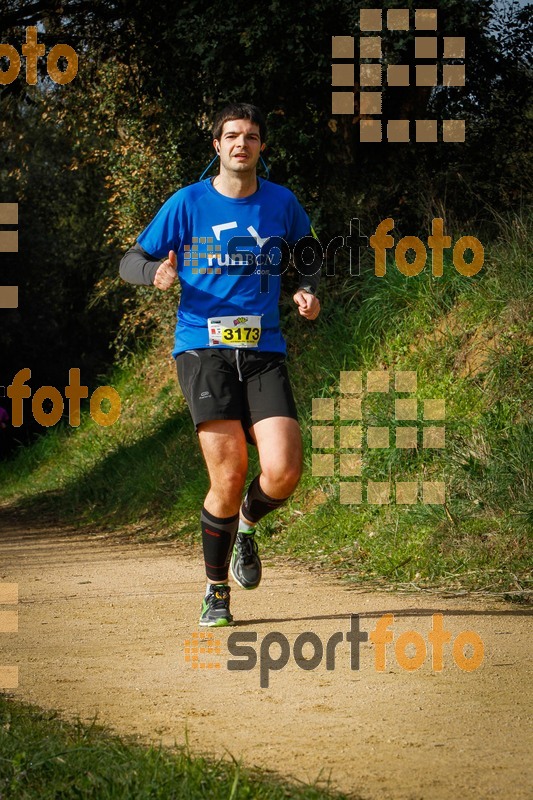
[{"x": 239, "y": 111}]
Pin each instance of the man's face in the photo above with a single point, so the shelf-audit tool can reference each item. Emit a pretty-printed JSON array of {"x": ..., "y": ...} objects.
[{"x": 239, "y": 145}]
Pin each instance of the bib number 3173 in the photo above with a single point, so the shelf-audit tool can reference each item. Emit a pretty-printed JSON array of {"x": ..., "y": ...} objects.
[{"x": 242, "y": 331}]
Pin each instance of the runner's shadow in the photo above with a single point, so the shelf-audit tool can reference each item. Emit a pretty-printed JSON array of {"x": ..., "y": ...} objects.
[{"x": 402, "y": 612}]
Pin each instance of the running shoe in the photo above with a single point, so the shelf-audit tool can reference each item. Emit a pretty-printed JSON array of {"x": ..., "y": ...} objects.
[
  {"x": 245, "y": 564},
  {"x": 215, "y": 607}
]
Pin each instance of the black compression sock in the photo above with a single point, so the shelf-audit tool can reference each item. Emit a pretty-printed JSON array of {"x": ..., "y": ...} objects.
[
  {"x": 218, "y": 538},
  {"x": 257, "y": 504}
]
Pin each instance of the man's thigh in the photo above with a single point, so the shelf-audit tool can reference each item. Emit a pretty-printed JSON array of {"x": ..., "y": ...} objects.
[
  {"x": 223, "y": 446},
  {"x": 279, "y": 444}
]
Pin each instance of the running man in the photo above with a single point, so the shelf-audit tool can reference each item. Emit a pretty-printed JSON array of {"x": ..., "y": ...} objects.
[{"x": 229, "y": 350}]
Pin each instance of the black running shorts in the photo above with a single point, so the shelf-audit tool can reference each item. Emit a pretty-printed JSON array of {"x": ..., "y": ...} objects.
[{"x": 229, "y": 383}]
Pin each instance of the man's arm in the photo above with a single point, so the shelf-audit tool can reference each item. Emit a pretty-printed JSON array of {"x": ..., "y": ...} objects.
[
  {"x": 309, "y": 283},
  {"x": 308, "y": 304},
  {"x": 309, "y": 267},
  {"x": 139, "y": 267}
]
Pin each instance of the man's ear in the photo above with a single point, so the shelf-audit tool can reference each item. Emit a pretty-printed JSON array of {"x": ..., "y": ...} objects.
[
  {"x": 263, "y": 146},
  {"x": 216, "y": 146}
]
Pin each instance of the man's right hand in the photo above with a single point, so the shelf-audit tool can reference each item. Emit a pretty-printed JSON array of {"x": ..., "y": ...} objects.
[{"x": 166, "y": 272}]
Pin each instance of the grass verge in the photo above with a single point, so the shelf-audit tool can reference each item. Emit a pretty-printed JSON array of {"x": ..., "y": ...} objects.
[{"x": 47, "y": 758}]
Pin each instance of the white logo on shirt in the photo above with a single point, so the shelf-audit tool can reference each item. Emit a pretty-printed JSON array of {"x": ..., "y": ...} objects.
[
  {"x": 226, "y": 226},
  {"x": 252, "y": 231}
]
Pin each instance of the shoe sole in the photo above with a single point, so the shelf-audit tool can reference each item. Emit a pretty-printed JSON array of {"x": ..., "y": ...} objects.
[{"x": 219, "y": 623}]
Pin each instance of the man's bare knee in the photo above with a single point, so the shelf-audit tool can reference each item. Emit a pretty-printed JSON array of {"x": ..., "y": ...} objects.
[
  {"x": 280, "y": 480},
  {"x": 233, "y": 482},
  {"x": 225, "y": 493}
]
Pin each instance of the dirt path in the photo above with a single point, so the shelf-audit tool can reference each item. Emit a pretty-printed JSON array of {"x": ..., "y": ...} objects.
[{"x": 103, "y": 625}]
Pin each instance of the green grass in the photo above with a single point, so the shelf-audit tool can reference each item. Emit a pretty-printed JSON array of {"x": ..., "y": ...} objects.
[
  {"x": 468, "y": 339},
  {"x": 46, "y": 758},
  {"x": 480, "y": 539}
]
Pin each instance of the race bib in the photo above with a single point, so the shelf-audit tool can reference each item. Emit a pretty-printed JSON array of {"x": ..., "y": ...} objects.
[{"x": 242, "y": 331}]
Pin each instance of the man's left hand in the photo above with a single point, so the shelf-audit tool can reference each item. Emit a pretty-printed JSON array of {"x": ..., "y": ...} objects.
[{"x": 308, "y": 304}]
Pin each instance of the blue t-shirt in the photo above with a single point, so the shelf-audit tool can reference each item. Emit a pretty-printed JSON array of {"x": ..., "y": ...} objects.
[{"x": 198, "y": 223}]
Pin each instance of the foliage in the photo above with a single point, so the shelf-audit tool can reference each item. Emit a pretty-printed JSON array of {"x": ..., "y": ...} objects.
[{"x": 134, "y": 126}]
